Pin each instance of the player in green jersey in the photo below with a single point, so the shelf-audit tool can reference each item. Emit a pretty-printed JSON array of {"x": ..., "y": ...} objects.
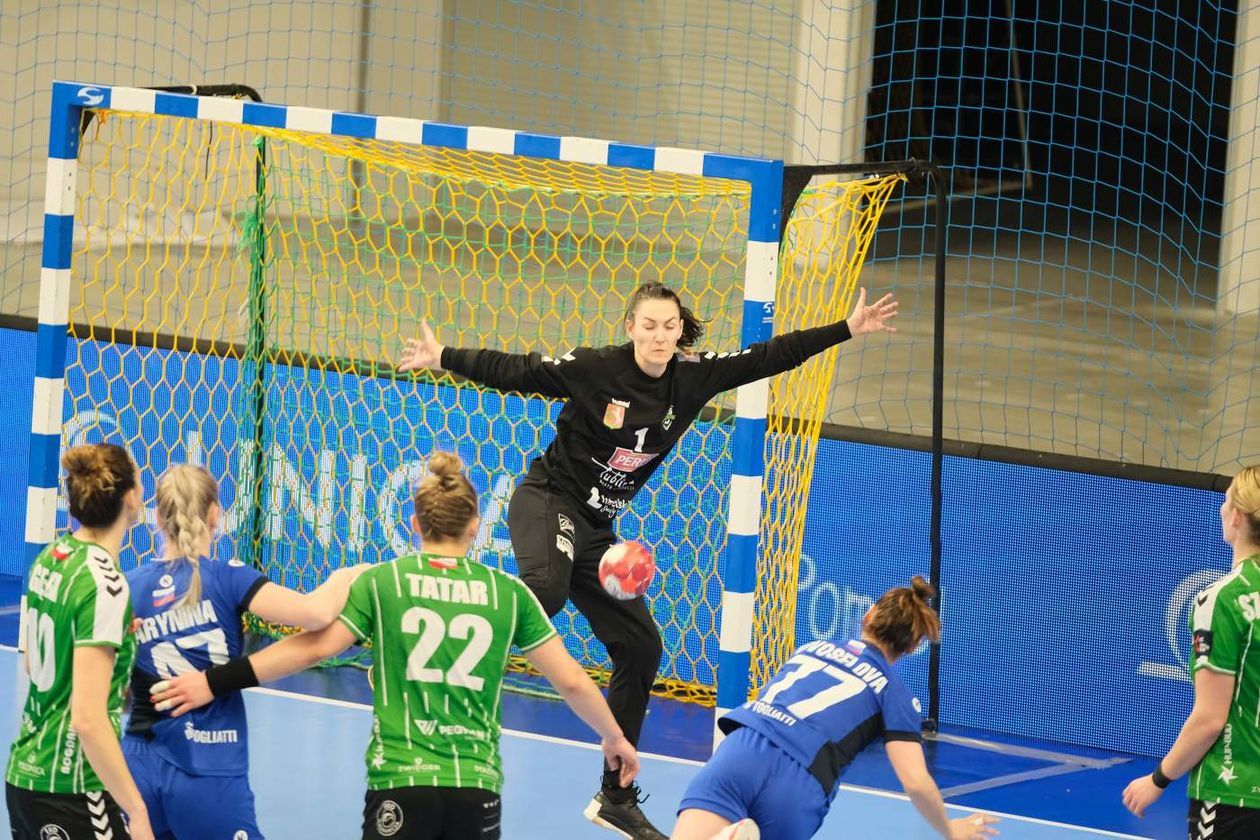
[
  {"x": 441, "y": 627},
  {"x": 66, "y": 775},
  {"x": 1219, "y": 743}
]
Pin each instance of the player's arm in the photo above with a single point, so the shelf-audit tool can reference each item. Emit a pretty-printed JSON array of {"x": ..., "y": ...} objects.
[
  {"x": 1213, "y": 693},
  {"x": 529, "y": 372},
  {"x": 93, "y": 668},
  {"x": 911, "y": 769},
  {"x": 784, "y": 352},
  {"x": 1218, "y": 629},
  {"x": 312, "y": 610},
  {"x": 584, "y": 697},
  {"x": 186, "y": 692}
]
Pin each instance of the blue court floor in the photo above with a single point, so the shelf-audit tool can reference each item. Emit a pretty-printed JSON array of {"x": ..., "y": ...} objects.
[{"x": 307, "y": 772}]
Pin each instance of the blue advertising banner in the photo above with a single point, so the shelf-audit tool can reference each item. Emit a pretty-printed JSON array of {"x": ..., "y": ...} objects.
[{"x": 1065, "y": 600}]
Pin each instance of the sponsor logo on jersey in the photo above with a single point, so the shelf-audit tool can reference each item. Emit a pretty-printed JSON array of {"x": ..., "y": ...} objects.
[
  {"x": 165, "y": 594},
  {"x": 668, "y": 420},
  {"x": 1227, "y": 755},
  {"x": 606, "y": 505},
  {"x": 429, "y": 728},
  {"x": 236, "y": 564},
  {"x": 53, "y": 832},
  {"x": 627, "y": 460},
  {"x": 209, "y": 736},
  {"x": 1202, "y": 642},
  {"x": 566, "y": 545},
  {"x": 109, "y": 573},
  {"x": 30, "y": 767},
  {"x": 389, "y": 818},
  {"x": 611, "y": 479},
  {"x": 1176, "y": 617},
  {"x": 615, "y": 413},
  {"x": 242, "y": 834},
  {"x": 766, "y": 710},
  {"x": 69, "y": 750},
  {"x": 565, "y": 523}
]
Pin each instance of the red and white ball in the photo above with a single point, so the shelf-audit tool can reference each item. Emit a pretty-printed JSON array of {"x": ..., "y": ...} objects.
[{"x": 626, "y": 569}]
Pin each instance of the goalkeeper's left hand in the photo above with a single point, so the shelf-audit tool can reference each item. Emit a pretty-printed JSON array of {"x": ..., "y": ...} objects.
[{"x": 874, "y": 318}]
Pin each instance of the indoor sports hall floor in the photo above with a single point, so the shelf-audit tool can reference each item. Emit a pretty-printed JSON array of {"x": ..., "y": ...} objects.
[{"x": 308, "y": 734}]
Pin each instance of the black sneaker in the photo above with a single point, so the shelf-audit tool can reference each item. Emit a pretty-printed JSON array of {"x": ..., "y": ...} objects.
[{"x": 618, "y": 809}]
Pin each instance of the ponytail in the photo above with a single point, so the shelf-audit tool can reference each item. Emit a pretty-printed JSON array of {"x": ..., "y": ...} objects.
[
  {"x": 903, "y": 617},
  {"x": 185, "y": 494},
  {"x": 692, "y": 325}
]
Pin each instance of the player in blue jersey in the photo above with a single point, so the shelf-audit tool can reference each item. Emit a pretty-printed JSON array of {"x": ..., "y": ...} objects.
[
  {"x": 193, "y": 773},
  {"x": 781, "y": 762}
]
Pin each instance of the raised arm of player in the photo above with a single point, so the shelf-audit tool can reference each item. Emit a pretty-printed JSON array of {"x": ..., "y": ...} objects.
[
  {"x": 784, "y": 352},
  {"x": 525, "y": 372}
]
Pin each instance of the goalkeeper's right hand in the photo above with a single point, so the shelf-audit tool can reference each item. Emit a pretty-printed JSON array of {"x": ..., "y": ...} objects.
[{"x": 421, "y": 353}]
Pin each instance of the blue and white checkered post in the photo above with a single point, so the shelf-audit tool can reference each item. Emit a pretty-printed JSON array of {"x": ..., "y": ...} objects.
[
  {"x": 68, "y": 102},
  {"x": 764, "y": 176},
  {"x": 744, "y": 520}
]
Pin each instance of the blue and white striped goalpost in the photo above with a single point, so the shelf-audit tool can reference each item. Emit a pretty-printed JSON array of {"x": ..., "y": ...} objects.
[
  {"x": 765, "y": 178},
  {"x": 68, "y": 102}
]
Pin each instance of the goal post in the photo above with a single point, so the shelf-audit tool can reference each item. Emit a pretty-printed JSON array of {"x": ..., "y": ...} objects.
[{"x": 228, "y": 282}]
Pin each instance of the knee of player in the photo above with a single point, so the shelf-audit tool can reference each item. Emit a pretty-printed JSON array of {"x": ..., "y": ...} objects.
[
  {"x": 643, "y": 651},
  {"x": 551, "y": 597}
]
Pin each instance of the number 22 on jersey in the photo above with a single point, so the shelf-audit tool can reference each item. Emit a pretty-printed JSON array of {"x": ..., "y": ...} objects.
[{"x": 474, "y": 629}]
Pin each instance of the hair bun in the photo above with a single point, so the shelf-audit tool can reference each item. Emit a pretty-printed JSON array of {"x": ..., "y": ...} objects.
[
  {"x": 83, "y": 458},
  {"x": 922, "y": 589},
  {"x": 446, "y": 466}
]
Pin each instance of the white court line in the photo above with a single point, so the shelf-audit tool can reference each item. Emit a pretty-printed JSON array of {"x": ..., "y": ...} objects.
[
  {"x": 515, "y": 733},
  {"x": 885, "y": 794}
]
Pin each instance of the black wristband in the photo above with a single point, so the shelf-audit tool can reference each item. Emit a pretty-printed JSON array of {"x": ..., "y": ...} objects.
[
  {"x": 231, "y": 676},
  {"x": 1157, "y": 776}
]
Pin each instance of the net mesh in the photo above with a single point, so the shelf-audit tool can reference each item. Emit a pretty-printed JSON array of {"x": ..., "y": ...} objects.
[
  {"x": 240, "y": 294},
  {"x": 824, "y": 247}
]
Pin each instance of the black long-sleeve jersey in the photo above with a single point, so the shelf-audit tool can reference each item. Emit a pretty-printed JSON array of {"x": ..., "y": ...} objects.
[{"x": 618, "y": 422}]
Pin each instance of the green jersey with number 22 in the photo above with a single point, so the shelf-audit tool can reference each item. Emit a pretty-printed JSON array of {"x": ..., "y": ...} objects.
[{"x": 441, "y": 630}]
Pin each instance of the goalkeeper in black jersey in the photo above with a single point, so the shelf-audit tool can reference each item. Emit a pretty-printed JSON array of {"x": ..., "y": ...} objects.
[{"x": 626, "y": 406}]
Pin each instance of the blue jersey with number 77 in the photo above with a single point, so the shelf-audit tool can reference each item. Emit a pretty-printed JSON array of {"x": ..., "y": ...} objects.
[
  {"x": 174, "y": 639},
  {"x": 827, "y": 703}
]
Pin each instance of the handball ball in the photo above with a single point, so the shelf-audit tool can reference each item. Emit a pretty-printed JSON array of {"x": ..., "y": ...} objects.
[{"x": 626, "y": 569}]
